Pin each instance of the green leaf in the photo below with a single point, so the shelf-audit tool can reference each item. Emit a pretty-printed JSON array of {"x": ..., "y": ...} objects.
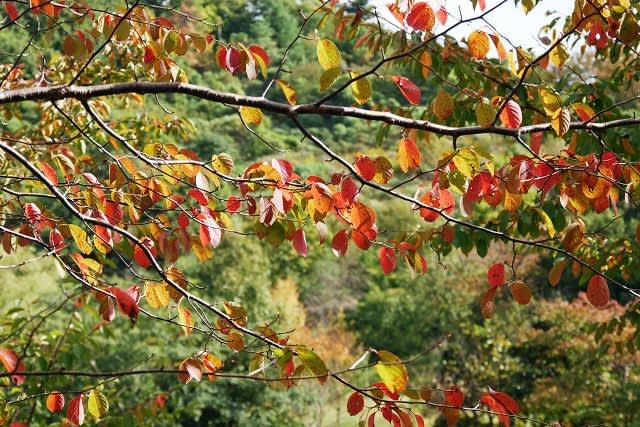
[
  {"x": 313, "y": 364},
  {"x": 392, "y": 371},
  {"x": 98, "y": 404}
]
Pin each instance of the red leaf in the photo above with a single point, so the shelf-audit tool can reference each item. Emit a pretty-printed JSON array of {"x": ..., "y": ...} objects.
[
  {"x": 507, "y": 401},
  {"x": 210, "y": 231},
  {"x": 140, "y": 256},
  {"x": 199, "y": 196},
  {"x": 349, "y": 190},
  {"x": 419, "y": 420},
  {"x": 126, "y": 303},
  {"x": 183, "y": 220},
  {"x": 49, "y": 172},
  {"x": 113, "y": 212},
  {"x": 387, "y": 258},
  {"x": 511, "y": 115},
  {"x": 482, "y": 4},
  {"x": 259, "y": 51},
  {"x": 408, "y": 89},
  {"x": 56, "y": 240},
  {"x": 495, "y": 275},
  {"x": 233, "y": 204},
  {"x": 598, "y": 291},
  {"x": 442, "y": 15},
  {"x": 55, "y": 402},
  {"x": 421, "y": 17},
  {"x": 12, "y": 364},
  {"x": 12, "y": 11},
  {"x": 75, "y": 411},
  {"x": 536, "y": 142},
  {"x": 454, "y": 396},
  {"x": 355, "y": 403},
  {"x": 149, "y": 55},
  {"x": 300, "y": 242},
  {"x": 340, "y": 243},
  {"x": 33, "y": 213},
  {"x": 366, "y": 167}
]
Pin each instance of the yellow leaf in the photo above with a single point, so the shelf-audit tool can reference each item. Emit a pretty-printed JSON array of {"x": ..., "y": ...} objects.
[
  {"x": 80, "y": 237},
  {"x": 559, "y": 55},
  {"x": 392, "y": 371},
  {"x": 561, "y": 121},
  {"x": 512, "y": 201},
  {"x": 186, "y": 319},
  {"x": 478, "y": 43},
  {"x": 288, "y": 91},
  {"x": 550, "y": 228},
  {"x": 443, "y": 105},
  {"x": 361, "y": 89},
  {"x": 550, "y": 101},
  {"x": 98, "y": 404},
  {"x": 157, "y": 294},
  {"x": 328, "y": 54},
  {"x": 251, "y": 115}
]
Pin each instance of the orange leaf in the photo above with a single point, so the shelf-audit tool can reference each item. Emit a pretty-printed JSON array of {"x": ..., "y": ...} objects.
[
  {"x": 478, "y": 43},
  {"x": 408, "y": 89},
  {"x": 12, "y": 363},
  {"x": 598, "y": 291},
  {"x": 488, "y": 303},
  {"x": 408, "y": 154},
  {"x": 55, "y": 402},
  {"x": 421, "y": 17},
  {"x": 521, "y": 292}
]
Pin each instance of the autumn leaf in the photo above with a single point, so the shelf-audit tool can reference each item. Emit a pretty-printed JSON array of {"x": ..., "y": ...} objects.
[
  {"x": 478, "y": 43},
  {"x": 387, "y": 259},
  {"x": 251, "y": 115},
  {"x": 98, "y": 405},
  {"x": 55, "y": 402},
  {"x": 520, "y": 292},
  {"x": 361, "y": 89},
  {"x": 313, "y": 364},
  {"x": 408, "y": 154},
  {"x": 442, "y": 105},
  {"x": 598, "y": 291},
  {"x": 408, "y": 89},
  {"x": 511, "y": 115},
  {"x": 288, "y": 91},
  {"x": 421, "y": 17},
  {"x": 392, "y": 371},
  {"x": 126, "y": 303},
  {"x": 355, "y": 403},
  {"x": 328, "y": 54},
  {"x": 495, "y": 275},
  {"x": 454, "y": 396},
  {"x": 75, "y": 410},
  {"x": 12, "y": 363}
]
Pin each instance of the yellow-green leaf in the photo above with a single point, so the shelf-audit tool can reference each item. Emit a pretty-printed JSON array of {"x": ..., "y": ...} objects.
[
  {"x": 222, "y": 162},
  {"x": 251, "y": 115},
  {"x": 80, "y": 237},
  {"x": 467, "y": 162},
  {"x": 392, "y": 371},
  {"x": 485, "y": 114},
  {"x": 328, "y": 78},
  {"x": 328, "y": 54},
  {"x": 313, "y": 364},
  {"x": 559, "y": 55},
  {"x": 98, "y": 404},
  {"x": 361, "y": 89},
  {"x": 157, "y": 294}
]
